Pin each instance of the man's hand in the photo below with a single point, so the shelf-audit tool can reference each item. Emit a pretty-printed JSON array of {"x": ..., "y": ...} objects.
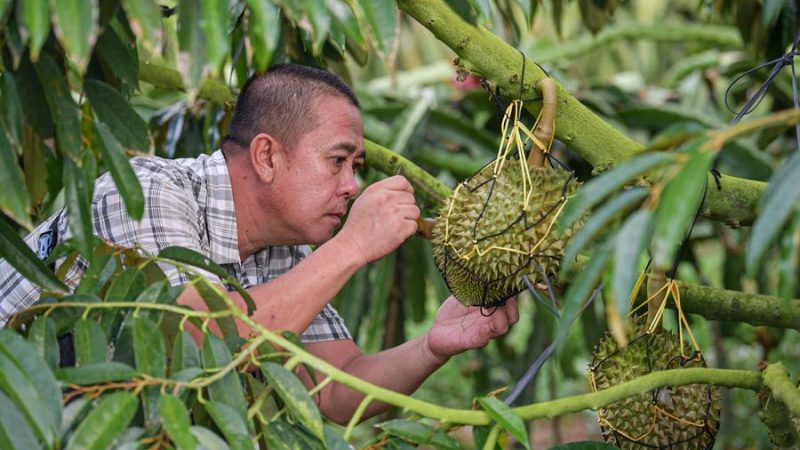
[
  {"x": 381, "y": 218},
  {"x": 458, "y": 328}
]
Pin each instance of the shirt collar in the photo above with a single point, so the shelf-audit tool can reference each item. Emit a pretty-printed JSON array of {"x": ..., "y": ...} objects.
[{"x": 223, "y": 236}]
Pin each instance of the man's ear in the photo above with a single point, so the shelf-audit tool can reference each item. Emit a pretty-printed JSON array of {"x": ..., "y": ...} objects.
[{"x": 266, "y": 155}]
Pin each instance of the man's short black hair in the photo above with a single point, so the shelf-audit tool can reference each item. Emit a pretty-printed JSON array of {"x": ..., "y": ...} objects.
[{"x": 281, "y": 101}]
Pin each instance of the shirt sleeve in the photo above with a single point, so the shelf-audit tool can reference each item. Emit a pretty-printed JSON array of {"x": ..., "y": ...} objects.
[{"x": 171, "y": 218}]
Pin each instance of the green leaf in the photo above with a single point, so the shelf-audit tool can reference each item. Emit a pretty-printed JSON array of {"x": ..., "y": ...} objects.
[
  {"x": 580, "y": 289},
  {"x": 264, "y": 31},
  {"x": 228, "y": 390},
  {"x": 126, "y": 286},
  {"x": 42, "y": 336},
  {"x": 777, "y": 203},
  {"x": 25, "y": 377},
  {"x": 294, "y": 395},
  {"x": 34, "y": 17},
  {"x": 383, "y": 22},
  {"x": 151, "y": 358},
  {"x": 124, "y": 178},
  {"x": 214, "y": 301},
  {"x": 184, "y": 353},
  {"x": 102, "y": 268},
  {"x": 191, "y": 46},
  {"x": 595, "y": 190},
  {"x": 333, "y": 441},
  {"x": 772, "y": 9},
  {"x": 77, "y": 202},
  {"x": 119, "y": 56},
  {"x": 789, "y": 264},
  {"x": 123, "y": 122},
  {"x": 320, "y": 22},
  {"x": 23, "y": 260},
  {"x": 282, "y": 436},
  {"x": 231, "y": 424},
  {"x": 176, "y": 421},
  {"x": 75, "y": 24},
  {"x": 504, "y": 416},
  {"x": 208, "y": 439},
  {"x": 584, "y": 445},
  {"x": 599, "y": 222},
  {"x": 11, "y": 108},
  {"x": 677, "y": 206},
  {"x": 631, "y": 241},
  {"x": 145, "y": 21},
  {"x": 213, "y": 18},
  {"x": 193, "y": 258},
  {"x": 419, "y": 433},
  {"x": 63, "y": 110},
  {"x": 15, "y": 433},
  {"x": 14, "y": 201},
  {"x": 105, "y": 422},
  {"x": 90, "y": 342},
  {"x": 90, "y": 374}
]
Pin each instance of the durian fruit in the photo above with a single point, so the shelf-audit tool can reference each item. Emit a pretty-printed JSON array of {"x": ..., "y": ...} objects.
[
  {"x": 680, "y": 418},
  {"x": 485, "y": 240}
]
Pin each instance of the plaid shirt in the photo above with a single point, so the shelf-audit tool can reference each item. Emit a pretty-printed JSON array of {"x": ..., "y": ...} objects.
[{"x": 188, "y": 203}]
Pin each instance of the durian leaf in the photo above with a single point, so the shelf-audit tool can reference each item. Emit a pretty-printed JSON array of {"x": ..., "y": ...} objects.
[
  {"x": 150, "y": 354},
  {"x": 263, "y": 31},
  {"x": 599, "y": 222},
  {"x": 22, "y": 259},
  {"x": 105, "y": 422},
  {"x": 42, "y": 336},
  {"x": 631, "y": 241},
  {"x": 584, "y": 445},
  {"x": 419, "y": 433},
  {"x": 15, "y": 433},
  {"x": 231, "y": 424},
  {"x": 504, "y": 416},
  {"x": 90, "y": 342},
  {"x": 790, "y": 259},
  {"x": 226, "y": 391},
  {"x": 208, "y": 439},
  {"x": 89, "y": 374},
  {"x": 677, "y": 207},
  {"x": 595, "y": 190},
  {"x": 333, "y": 441},
  {"x": 779, "y": 200},
  {"x": 294, "y": 395},
  {"x": 580, "y": 288},
  {"x": 177, "y": 423}
]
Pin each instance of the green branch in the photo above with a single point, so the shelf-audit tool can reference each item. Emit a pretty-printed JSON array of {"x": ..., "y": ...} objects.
[
  {"x": 776, "y": 378},
  {"x": 485, "y": 54},
  {"x": 390, "y": 163}
]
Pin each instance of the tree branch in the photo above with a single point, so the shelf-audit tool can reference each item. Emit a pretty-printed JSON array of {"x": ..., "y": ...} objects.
[
  {"x": 485, "y": 54},
  {"x": 776, "y": 378}
]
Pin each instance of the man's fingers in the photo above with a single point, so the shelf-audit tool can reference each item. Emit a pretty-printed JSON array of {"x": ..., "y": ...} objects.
[
  {"x": 499, "y": 323},
  {"x": 398, "y": 183}
]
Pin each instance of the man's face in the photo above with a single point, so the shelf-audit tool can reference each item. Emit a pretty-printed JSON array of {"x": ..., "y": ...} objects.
[{"x": 319, "y": 176}]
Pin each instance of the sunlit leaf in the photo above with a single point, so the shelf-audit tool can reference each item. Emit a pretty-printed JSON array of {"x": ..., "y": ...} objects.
[
  {"x": 193, "y": 258},
  {"x": 383, "y": 22},
  {"x": 213, "y": 24},
  {"x": 594, "y": 191},
  {"x": 263, "y": 30},
  {"x": 105, "y": 422},
  {"x": 75, "y": 24},
  {"x": 208, "y": 439},
  {"x": 320, "y": 22},
  {"x": 504, "y": 416},
  {"x": 677, "y": 206},
  {"x": 295, "y": 395},
  {"x": 192, "y": 60},
  {"x": 176, "y": 422},
  {"x": 124, "y": 178},
  {"x": 145, "y": 20}
]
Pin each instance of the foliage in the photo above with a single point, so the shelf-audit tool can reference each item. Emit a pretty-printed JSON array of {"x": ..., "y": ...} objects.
[{"x": 86, "y": 84}]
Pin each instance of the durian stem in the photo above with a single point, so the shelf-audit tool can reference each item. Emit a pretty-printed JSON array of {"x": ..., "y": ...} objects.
[
  {"x": 656, "y": 296},
  {"x": 776, "y": 378},
  {"x": 546, "y": 127},
  {"x": 777, "y": 418}
]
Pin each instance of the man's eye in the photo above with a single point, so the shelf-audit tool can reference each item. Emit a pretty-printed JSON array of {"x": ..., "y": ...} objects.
[
  {"x": 339, "y": 161},
  {"x": 357, "y": 166}
]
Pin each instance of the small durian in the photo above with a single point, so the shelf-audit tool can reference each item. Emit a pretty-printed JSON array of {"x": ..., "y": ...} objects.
[
  {"x": 485, "y": 240},
  {"x": 680, "y": 418}
]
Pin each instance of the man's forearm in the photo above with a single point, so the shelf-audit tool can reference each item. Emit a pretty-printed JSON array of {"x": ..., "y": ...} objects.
[
  {"x": 401, "y": 369},
  {"x": 292, "y": 301}
]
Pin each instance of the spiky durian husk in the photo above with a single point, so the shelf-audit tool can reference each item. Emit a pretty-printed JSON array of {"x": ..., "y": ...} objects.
[
  {"x": 488, "y": 212},
  {"x": 690, "y": 417}
]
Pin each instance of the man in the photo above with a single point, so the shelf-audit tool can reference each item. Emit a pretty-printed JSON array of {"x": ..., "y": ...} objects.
[{"x": 282, "y": 181}]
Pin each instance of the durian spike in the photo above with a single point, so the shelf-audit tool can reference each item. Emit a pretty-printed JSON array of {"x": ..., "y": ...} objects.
[
  {"x": 656, "y": 296},
  {"x": 425, "y": 227},
  {"x": 545, "y": 127}
]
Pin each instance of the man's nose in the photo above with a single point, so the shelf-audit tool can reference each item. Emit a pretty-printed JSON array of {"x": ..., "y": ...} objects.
[{"x": 349, "y": 187}]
